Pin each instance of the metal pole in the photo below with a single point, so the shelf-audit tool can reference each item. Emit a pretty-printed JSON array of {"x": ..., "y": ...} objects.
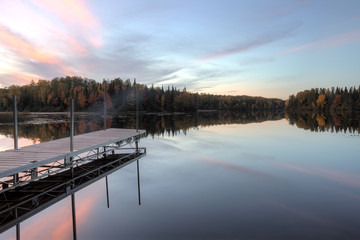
[
  {"x": 107, "y": 192},
  {"x": 17, "y": 226},
  {"x": 72, "y": 136},
  {"x": 137, "y": 108},
  {"x": 72, "y": 126},
  {"x": 105, "y": 88},
  {"x": 18, "y": 231},
  {"x": 138, "y": 178},
  {"x": 15, "y": 124},
  {"x": 72, "y": 169},
  {"x": 73, "y": 215}
]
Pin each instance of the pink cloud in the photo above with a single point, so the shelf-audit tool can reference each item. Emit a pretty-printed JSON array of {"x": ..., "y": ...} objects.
[
  {"x": 26, "y": 51},
  {"x": 24, "y": 48},
  {"x": 296, "y": 168},
  {"x": 253, "y": 43},
  {"x": 336, "y": 40},
  {"x": 263, "y": 40},
  {"x": 75, "y": 14}
]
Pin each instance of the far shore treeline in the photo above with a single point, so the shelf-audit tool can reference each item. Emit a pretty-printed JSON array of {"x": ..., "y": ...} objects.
[
  {"x": 55, "y": 96},
  {"x": 88, "y": 94},
  {"x": 338, "y": 100}
]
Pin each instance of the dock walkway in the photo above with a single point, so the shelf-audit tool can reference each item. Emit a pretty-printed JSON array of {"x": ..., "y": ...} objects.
[{"x": 36, "y": 161}]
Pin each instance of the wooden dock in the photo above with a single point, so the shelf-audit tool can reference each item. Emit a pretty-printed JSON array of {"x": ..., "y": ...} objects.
[
  {"x": 36, "y": 161},
  {"x": 37, "y": 176}
]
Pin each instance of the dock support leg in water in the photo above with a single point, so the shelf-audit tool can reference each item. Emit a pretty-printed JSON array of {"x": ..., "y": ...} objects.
[
  {"x": 138, "y": 178},
  {"x": 17, "y": 227},
  {"x": 73, "y": 215},
  {"x": 15, "y": 124},
  {"x": 107, "y": 192}
]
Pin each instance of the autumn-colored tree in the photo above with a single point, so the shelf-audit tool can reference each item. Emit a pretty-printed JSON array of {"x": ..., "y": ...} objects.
[
  {"x": 321, "y": 120},
  {"x": 337, "y": 101},
  {"x": 321, "y": 101},
  {"x": 81, "y": 100}
]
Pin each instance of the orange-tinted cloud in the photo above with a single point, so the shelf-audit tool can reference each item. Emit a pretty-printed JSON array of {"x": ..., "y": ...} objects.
[
  {"x": 13, "y": 76},
  {"x": 30, "y": 52},
  {"x": 24, "y": 48}
]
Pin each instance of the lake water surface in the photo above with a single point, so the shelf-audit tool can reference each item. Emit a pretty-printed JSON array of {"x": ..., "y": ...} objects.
[{"x": 260, "y": 180}]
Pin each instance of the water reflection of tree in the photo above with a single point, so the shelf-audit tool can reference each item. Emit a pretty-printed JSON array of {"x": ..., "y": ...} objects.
[
  {"x": 172, "y": 125},
  {"x": 321, "y": 122},
  {"x": 156, "y": 125}
]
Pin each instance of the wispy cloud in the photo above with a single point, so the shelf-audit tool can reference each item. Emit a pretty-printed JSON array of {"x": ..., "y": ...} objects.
[
  {"x": 252, "y": 43},
  {"x": 285, "y": 9},
  {"x": 333, "y": 41},
  {"x": 76, "y": 16},
  {"x": 25, "y": 48},
  {"x": 32, "y": 59},
  {"x": 62, "y": 44},
  {"x": 256, "y": 60}
]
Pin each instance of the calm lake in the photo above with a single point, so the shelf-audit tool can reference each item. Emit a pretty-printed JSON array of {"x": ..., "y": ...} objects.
[{"x": 214, "y": 176}]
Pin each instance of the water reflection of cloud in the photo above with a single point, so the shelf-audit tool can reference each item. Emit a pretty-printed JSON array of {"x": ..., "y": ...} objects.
[
  {"x": 238, "y": 168},
  {"x": 257, "y": 157},
  {"x": 57, "y": 224},
  {"x": 337, "y": 176},
  {"x": 82, "y": 212},
  {"x": 169, "y": 144},
  {"x": 300, "y": 212},
  {"x": 346, "y": 193}
]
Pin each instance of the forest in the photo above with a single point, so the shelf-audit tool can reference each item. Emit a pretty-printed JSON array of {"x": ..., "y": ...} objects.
[
  {"x": 88, "y": 95},
  {"x": 325, "y": 100}
]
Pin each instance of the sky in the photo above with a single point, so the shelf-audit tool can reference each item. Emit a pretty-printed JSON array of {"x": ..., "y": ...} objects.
[{"x": 233, "y": 47}]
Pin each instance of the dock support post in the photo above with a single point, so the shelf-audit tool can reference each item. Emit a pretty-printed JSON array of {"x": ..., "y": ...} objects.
[
  {"x": 137, "y": 107},
  {"x": 72, "y": 126},
  {"x": 107, "y": 192},
  {"x": 138, "y": 178},
  {"x": 105, "y": 88},
  {"x": 16, "y": 178},
  {"x": 73, "y": 215},
  {"x": 17, "y": 226},
  {"x": 15, "y": 124},
  {"x": 34, "y": 173}
]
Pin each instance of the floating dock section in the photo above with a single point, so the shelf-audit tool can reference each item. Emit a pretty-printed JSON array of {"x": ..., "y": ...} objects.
[{"x": 35, "y": 177}]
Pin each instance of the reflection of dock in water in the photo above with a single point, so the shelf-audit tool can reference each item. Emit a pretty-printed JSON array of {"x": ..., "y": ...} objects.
[{"x": 35, "y": 177}]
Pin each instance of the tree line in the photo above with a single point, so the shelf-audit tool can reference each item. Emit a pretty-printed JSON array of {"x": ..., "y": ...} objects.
[
  {"x": 325, "y": 100},
  {"x": 88, "y": 94}
]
